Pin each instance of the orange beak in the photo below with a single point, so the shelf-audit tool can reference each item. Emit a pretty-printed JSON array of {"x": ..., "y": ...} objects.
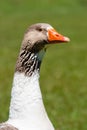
[{"x": 55, "y": 37}]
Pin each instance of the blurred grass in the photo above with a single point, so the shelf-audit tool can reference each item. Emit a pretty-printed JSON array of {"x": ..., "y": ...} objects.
[{"x": 64, "y": 68}]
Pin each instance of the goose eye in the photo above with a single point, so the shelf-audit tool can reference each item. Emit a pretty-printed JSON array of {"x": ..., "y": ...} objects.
[{"x": 39, "y": 29}]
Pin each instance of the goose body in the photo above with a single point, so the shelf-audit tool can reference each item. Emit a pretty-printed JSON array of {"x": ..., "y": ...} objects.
[{"x": 27, "y": 111}]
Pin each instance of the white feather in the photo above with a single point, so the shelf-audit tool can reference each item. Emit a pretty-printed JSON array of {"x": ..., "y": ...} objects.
[{"x": 27, "y": 110}]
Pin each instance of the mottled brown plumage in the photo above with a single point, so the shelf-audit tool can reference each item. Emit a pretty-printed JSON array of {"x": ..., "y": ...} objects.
[{"x": 34, "y": 41}]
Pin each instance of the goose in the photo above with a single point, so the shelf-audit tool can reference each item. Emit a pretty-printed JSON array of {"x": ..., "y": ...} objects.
[{"x": 27, "y": 111}]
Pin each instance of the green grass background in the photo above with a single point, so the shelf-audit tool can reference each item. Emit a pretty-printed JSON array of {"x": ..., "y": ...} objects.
[{"x": 64, "y": 69}]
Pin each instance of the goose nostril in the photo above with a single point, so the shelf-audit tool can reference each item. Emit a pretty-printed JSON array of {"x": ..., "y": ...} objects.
[{"x": 57, "y": 35}]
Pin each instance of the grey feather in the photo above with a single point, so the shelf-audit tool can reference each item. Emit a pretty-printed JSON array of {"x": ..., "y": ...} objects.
[{"x": 5, "y": 126}]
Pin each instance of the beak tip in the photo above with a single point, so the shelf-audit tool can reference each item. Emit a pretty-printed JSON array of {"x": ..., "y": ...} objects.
[{"x": 66, "y": 39}]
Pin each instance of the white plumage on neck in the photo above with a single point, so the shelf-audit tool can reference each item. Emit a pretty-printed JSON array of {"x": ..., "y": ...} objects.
[{"x": 26, "y": 109}]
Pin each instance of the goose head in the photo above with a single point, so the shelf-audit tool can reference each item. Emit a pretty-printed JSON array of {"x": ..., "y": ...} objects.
[
  {"x": 41, "y": 34},
  {"x": 33, "y": 46}
]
